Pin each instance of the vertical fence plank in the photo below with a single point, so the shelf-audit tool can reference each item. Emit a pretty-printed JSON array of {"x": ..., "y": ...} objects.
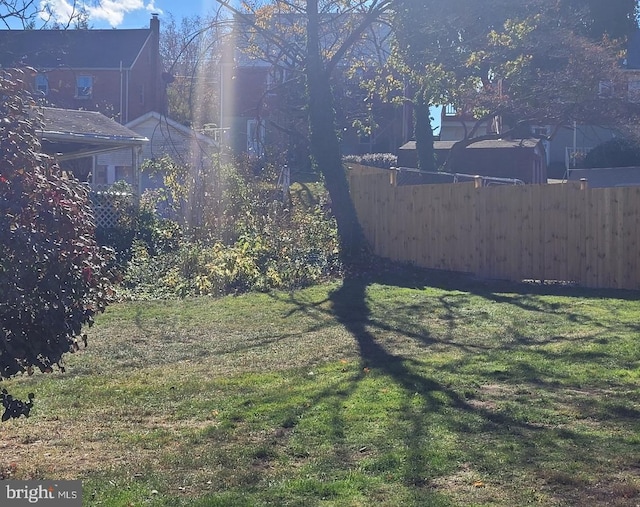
[
  {"x": 527, "y": 239},
  {"x": 575, "y": 232},
  {"x": 604, "y": 237},
  {"x": 590, "y": 271},
  {"x": 537, "y": 232},
  {"x": 631, "y": 239},
  {"x": 612, "y": 240}
]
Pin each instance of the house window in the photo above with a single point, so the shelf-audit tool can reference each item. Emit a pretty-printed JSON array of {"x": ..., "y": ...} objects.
[
  {"x": 276, "y": 76},
  {"x": 142, "y": 95},
  {"x": 541, "y": 131},
  {"x": 605, "y": 89},
  {"x": 255, "y": 137},
  {"x": 633, "y": 88},
  {"x": 101, "y": 175},
  {"x": 84, "y": 87},
  {"x": 42, "y": 84},
  {"x": 124, "y": 173},
  {"x": 450, "y": 110}
]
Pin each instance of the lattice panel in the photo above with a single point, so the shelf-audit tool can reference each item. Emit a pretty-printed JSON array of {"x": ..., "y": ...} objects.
[{"x": 106, "y": 206}]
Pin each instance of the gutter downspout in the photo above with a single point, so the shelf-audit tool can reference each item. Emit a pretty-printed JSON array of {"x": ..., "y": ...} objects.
[
  {"x": 122, "y": 122},
  {"x": 127, "y": 96}
]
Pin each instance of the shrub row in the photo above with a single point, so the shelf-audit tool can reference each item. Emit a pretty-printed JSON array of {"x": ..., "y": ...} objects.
[
  {"x": 382, "y": 160},
  {"x": 243, "y": 237}
]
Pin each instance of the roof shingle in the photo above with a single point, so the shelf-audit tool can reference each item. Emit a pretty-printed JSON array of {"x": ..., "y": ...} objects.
[{"x": 62, "y": 122}]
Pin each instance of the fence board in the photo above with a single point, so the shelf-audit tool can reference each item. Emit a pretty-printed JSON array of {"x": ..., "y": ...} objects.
[
  {"x": 631, "y": 256},
  {"x": 540, "y": 232},
  {"x": 575, "y": 232}
]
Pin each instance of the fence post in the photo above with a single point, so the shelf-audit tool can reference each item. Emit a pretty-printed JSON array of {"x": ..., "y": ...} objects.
[
  {"x": 478, "y": 181},
  {"x": 583, "y": 184},
  {"x": 393, "y": 177}
]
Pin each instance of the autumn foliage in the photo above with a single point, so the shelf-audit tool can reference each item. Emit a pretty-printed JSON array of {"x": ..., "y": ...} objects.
[{"x": 53, "y": 275}]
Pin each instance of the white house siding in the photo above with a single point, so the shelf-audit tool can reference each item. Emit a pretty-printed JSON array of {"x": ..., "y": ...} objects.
[{"x": 166, "y": 138}]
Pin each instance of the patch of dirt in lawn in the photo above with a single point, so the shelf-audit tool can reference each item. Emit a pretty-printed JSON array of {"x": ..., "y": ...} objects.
[
  {"x": 487, "y": 395},
  {"x": 468, "y": 487},
  {"x": 67, "y": 450}
]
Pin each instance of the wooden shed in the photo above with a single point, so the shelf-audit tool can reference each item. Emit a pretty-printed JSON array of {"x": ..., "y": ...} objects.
[{"x": 522, "y": 159}]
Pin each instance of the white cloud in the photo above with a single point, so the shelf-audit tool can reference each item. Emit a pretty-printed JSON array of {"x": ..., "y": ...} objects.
[
  {"x": 152, "y": 8},
  {"x": 110, "y": 11}
]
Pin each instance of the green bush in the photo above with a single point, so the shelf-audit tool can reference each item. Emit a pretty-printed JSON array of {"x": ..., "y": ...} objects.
[
  {"x": 381, "y": 160},
  {"x": 617, "y": 152}
]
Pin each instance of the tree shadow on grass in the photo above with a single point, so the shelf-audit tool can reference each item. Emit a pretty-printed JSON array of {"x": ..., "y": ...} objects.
[
  {"x": 349, "y": 305},
  {"x": 351, "y": 309}
]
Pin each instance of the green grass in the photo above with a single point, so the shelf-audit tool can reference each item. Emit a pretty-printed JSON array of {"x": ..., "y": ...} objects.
[{"x": 400, "y": 389}]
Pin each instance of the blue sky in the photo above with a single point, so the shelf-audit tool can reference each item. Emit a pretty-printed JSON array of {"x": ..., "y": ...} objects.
[{"x": 134, "y": 13}]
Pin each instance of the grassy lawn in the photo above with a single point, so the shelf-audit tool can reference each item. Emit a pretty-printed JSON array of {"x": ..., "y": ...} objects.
[{"x": 400, "y": 389}]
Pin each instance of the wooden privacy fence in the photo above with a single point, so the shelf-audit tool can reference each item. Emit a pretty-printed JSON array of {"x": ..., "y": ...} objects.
[{"x": 539, "y": 232}]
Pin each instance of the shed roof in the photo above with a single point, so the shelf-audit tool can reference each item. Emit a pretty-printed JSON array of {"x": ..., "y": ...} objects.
[
  {"x": 156, "y": 118},
  {"x": 73, "y": 134},
  {"x": 486, "y": 144}
]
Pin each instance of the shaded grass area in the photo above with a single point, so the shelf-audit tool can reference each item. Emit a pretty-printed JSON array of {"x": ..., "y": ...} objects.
[{"x": 398, "y": 388}]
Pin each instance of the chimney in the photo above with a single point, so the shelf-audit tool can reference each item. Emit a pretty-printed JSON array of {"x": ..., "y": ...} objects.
[
  {"x": 155, "y": 70},
  {"x": 154, "y": 24}
]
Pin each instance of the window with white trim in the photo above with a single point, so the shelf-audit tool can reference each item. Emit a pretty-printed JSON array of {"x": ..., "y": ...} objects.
[
  {"x": 84, "y": 87},
  {"x": 605, "y": 89},
  {"x": 633, "y": 89},
  {"x": 42, "y": 84}
]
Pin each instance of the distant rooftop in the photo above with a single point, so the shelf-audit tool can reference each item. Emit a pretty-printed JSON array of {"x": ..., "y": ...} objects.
[
  {"x": 485, "y": 144},
  {"x": 79, "y": 49}
]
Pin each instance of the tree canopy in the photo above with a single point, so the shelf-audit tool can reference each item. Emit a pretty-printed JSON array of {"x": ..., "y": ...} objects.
[
  {"x": 520, "y": 64},
  {"x": 598, "y": 18},
  {"x": 191, "y": 50}
]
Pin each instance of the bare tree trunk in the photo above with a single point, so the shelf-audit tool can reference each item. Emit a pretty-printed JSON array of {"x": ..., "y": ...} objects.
[{"x": 325, "y": 146}]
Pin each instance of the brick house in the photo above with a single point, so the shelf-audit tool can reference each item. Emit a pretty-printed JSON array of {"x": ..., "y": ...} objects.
[{"x": 115, "y": 72}]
